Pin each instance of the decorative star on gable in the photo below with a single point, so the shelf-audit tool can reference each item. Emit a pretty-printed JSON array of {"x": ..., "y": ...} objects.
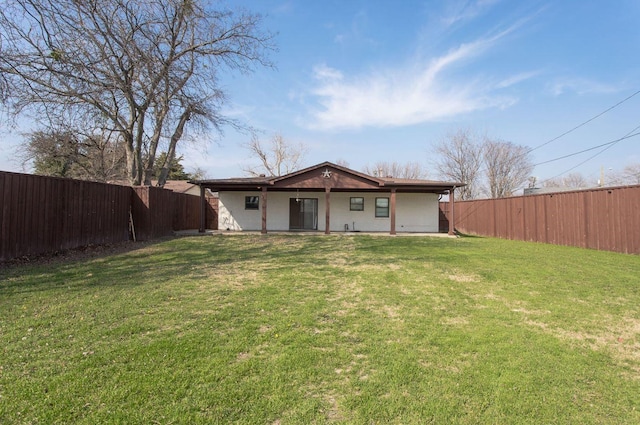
[{"x": 326, "y": 173}]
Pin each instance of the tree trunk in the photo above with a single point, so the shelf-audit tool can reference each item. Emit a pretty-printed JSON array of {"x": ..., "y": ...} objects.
[
  {"x": 171, "y": 153},
  {"x": 131, "y": 163}
]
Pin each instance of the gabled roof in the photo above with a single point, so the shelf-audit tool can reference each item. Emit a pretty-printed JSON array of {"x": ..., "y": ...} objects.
[
  {"x": 327, "y": 176},
  {"x": 328, "y": 164},
  {"x": 181, "y": 186}
]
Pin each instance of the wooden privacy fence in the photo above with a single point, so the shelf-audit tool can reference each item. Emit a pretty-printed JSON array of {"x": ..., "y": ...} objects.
[
  {"x": 604, "y": 218},
  {"x": 152, "y": 210},
  {"x": 45, "y": 214},
  {"x": 187, "y": 212},
  {"x": 157, "y": 212},
  {"x": 40, "y": 215}
]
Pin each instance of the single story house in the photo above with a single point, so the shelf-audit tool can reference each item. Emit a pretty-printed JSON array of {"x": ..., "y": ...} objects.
[{"x": 328, "y": 198}]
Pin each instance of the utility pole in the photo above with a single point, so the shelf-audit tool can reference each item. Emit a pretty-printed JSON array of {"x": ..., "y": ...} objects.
[{"x": 601, "y": 181}]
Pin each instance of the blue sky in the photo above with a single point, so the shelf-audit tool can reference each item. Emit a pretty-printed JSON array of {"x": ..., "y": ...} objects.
[{"x": 368, "y": 81}]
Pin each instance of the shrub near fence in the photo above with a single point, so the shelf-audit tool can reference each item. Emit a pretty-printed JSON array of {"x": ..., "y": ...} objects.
[
  {"x": 40, "y": 215},
  {"x": 605, "y": 218}
]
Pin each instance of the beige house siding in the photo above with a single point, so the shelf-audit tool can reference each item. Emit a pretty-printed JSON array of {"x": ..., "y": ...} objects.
[{"x": 415, "y": 212}]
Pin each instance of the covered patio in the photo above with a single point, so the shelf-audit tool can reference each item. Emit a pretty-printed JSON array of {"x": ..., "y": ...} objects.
[{"x": 329, "y": 198}]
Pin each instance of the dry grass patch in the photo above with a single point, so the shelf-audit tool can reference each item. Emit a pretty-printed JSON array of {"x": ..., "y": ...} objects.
[
  {"x": 463, "y": 278},
  {"x": 455, "y": 321},
  {"x": 620, "y": 339}
]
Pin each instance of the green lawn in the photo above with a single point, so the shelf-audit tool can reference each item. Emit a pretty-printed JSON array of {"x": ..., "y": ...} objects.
[{"x": 293, "y": 329}]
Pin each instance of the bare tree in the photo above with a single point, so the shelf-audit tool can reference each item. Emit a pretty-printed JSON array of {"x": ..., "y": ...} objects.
[
  {"x": 145, "y": 71},
  {"x": 199, "y": 174},
  {"x": 610, "y": 177},
  {"x": 460, "y": 159},
  {"x": 342, "y": 162},
  {"x": 277, "y": 157},
  {"x": 508, "y": 167},
  {"x": 66, "y": 154},
  {"x": 51, "y": 154},
  {"x": 631, "y": 174},
  {"x": 409, "y": 170},
  {"x": 573, "y": 180}
]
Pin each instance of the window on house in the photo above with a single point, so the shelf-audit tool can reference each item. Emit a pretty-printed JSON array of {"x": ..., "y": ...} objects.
[
  {"x": 357, "y": 204},
  {"x": 251, "y": 202},
  {"x": 382, "y": 207}
]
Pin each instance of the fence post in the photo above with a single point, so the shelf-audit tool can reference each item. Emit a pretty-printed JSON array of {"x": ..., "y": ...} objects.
[
  {"x": 452, "y": 227},
  {"x": 203, "y": 210}
]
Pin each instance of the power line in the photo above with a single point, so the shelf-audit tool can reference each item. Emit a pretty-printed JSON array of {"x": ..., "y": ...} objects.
[
  {"x": 585, "y": 123},
  {"x": 613, "y": 142},
  {"x": 628, "y": 135},
  {"x": 607, "y": 146},
  {"x": 576, "y": 166}
]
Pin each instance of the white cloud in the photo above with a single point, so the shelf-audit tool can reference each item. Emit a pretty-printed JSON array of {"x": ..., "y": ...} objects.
[
  {"x": 419, "y": 92},
  {"x": 356, "y": 32},
  {"x": 581, "y": 86},
  {"x": 516, "y": 79},
  {"x": 324, "y": 73},
  {"x": 466, "y": 11}
]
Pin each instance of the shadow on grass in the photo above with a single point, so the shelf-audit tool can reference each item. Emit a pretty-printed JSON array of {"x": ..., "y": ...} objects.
[
  {"x": 154, "y": 262},
  {"x": 76, "y": 267},
  {"x": 469, "y": 236},
  {"x": 197, "y": 258}
]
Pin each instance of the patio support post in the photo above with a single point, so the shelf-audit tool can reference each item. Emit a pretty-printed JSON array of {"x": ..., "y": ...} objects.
[
  {"x": 203, "y": 210},
  {"x": 452, "y": 225},
  {"x": 393, "y": 212},
  {"x": 327, "y": 197},
  {"x": 264, "y": 210}
]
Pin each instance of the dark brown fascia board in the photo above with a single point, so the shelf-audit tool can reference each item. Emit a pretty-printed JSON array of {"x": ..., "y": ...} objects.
[
  {"x": 240, "y": 186},
  {"x": 434, "y": 185},
  {"x": 234, "y": 183},
  {"x": 421, "y": 185}
]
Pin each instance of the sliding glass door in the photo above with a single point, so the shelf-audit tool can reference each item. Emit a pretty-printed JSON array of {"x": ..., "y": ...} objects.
[{"x": 303, "y": 214}]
